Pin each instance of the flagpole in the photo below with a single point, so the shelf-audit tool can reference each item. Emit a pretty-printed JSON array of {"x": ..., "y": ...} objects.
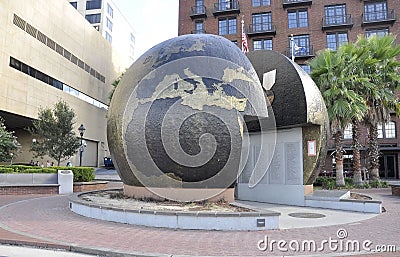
[
  {"x": 292, "y": 45},
  {"x": 242, "y": 32}
]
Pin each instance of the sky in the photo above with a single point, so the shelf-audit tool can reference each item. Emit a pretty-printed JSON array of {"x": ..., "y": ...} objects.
[{"x": 153, "y": 21}]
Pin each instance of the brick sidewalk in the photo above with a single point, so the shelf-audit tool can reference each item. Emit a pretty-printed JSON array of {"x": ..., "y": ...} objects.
[{"x": 48, "y": 220}]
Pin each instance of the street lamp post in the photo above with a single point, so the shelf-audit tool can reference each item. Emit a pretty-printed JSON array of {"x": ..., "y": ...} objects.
[{"x": 81, "y": 131}]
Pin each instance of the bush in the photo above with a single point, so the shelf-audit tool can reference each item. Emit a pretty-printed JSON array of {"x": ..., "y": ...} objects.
[
  {"x": 81, "y": 174},
  {"x": 6, "y": 170},
  {"x": 39, "y": 170},
  {"x": 22, "y": 168},
  {"x": 378, "y": 184}
]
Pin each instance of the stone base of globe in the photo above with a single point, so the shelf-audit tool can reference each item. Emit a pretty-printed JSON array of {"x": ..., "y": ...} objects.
[{"x": 180, "y": 194}]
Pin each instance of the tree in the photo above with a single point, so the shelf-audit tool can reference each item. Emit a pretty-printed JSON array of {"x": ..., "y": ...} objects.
[
  {"x": 382, "y": 71},
  {"x": 53, "y": 131},
  {"x": 333, "y": 72},
  {"x": 115, "y": 84},
  {"x": 8, "y": 143}
]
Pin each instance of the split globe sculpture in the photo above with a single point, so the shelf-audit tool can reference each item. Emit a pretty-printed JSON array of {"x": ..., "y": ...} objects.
[{"x": 180, "y": 114}]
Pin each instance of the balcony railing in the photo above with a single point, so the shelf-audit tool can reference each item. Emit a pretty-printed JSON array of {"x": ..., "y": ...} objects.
[
  {"x": 302, "y": 52},
  {"x": 379, "y": 17},
  {"x": 291, "y": 3},
  {"x": 337, "y": 21},
  {"x": 198, "y": 12},
  {"x": 199, "y": 31},
  {"x": 226, "y": 7},
  {"x": 261, "y": 29}
]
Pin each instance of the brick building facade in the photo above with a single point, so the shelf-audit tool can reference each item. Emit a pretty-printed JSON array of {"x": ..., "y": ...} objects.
[{"x": 313, "y": 25}]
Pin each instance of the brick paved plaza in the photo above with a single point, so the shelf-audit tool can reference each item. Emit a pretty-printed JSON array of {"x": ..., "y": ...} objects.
[{"x": 47, "y": 222}]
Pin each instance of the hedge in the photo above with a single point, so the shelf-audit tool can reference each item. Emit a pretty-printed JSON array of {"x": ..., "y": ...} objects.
[
  {"x": 6, "y": 170},
  {"x": 81, "y": 174}
]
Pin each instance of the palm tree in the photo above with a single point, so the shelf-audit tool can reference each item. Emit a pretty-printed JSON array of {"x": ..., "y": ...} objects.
[
  {"x": 381, "y": 69},
  {"x": 333, "y": 72}
]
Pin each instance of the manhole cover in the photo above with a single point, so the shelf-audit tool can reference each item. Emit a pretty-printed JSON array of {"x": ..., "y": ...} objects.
[{"x": 306, "y": 215}]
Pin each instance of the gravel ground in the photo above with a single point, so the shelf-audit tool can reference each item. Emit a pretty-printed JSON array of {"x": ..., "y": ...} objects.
[{"x": 116, "y": 198}]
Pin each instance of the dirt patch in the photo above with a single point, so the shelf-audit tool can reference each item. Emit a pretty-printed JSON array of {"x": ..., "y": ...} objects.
[
  {"x": 116, "y": 199},
  {"x": 357, "y": 196}
]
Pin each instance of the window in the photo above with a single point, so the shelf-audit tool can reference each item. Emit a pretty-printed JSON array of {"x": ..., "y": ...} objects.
[
  {"x": 379, "y": 32},
  {"x": 93, "y": 4},
  {"x": 298, "y": 19},
  {"x": 227, "y": 4},
  {"x": 227, "y": 26},
  {"x": 335, "y": 14},
  {"x": 375, "y": 11},
  {"x": 132, "y": 38},
  {"x": 262, "y": 22},
  {"x": 109, "y": 24},
  {"x": 306, "y": 68},
  {"x": 348, "y": 132},
  {"x": 93, "y": 18},
  {"x": 334, "y": 40},
  {"x": 388, "y": 130},
  {"x": 302, "y": 45},
  {"x": 74, "y": 4},
  {"x": 198, "y": 27},
  {"x": 110, "y": 10},
  {"x": 262, "y": 44},
  {"x": 256, "y": 3},
  {"x": 108, "y": 37}
]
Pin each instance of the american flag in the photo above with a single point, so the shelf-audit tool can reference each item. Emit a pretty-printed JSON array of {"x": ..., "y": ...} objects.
[{"x": 245, "y": 47}]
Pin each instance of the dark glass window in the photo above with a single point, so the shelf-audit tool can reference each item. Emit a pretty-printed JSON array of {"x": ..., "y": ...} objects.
[
  {"x": 74, "y": 4},
  {"x": 262, "y": 44},
  {"x": 301, "y": 45},
  {"x": 227, "y": 26},
  {"x": 93, "y": 18},
  {"x": 334, "y": 40},
  {"x": 198, "y": 27},
  {"x": 306, "y": 68},
  {"x": 227, "y": 4},
  {"x": 15, "y": 63},
  {"x": 256, "y": 3},
  {"x": 109, "y": 24},
  {"x": 335, "y": 14},
  {"x": 379, "y": 32},
  {"x": 108, "y": 37},
  {"x": 388, "y": 130},
  {"x": 110, "y": 10},
  {"x": 375, "y": 11},
  {"x": 262, "y": 22},
  {"x": 298, "y": 19},
  {"x": 93, "y": 4}
]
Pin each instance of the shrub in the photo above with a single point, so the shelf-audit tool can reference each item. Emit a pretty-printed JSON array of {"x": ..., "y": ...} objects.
[
  {"x": 39, "y": 170},
  {"x": 81, "y": 174},
  {"x": 6, "y": 170},
  {"x": 378, "y": 184},
  {"x": 22, "y": 168}
]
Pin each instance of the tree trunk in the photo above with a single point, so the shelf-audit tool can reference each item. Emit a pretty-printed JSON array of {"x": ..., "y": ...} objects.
[
  {"x": 357, "y": 177},
  {"x": 373, "y": 152},
  {"x": 339, "y": 158}
]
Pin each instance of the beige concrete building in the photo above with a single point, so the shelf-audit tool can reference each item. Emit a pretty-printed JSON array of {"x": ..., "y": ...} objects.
[{"x": 48, "y": 52}]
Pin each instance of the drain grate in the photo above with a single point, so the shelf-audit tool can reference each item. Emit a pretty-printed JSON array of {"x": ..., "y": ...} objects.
[{"x": 306, "y": 215}]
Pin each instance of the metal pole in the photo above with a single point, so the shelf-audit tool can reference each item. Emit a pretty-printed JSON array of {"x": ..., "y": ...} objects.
[{"x": 81, "y": 151}]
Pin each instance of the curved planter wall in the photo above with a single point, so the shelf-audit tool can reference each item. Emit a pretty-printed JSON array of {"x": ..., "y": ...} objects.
[{"x": 177, "y": 219}]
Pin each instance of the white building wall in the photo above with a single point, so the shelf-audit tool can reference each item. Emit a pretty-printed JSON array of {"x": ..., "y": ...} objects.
[{"x": 121, "y": 31}]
